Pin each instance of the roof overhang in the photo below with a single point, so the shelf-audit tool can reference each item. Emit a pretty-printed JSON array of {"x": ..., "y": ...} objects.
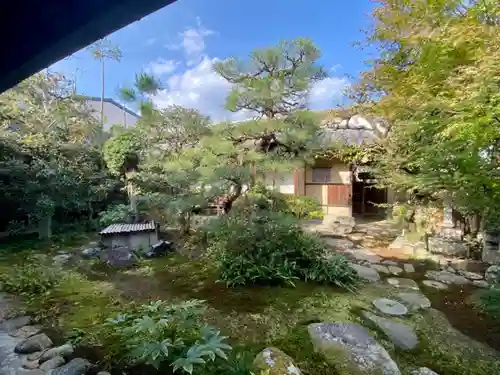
[{"x": 39, "y": 33}]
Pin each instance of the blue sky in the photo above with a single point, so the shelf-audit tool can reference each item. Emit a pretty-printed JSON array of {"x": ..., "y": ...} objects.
[{"x": 181, "y": 42}]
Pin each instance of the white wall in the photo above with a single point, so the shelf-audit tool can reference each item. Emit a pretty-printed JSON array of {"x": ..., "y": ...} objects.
[
  {"x": 282, "y": 182},
  {"x": 113, "y": 115}
]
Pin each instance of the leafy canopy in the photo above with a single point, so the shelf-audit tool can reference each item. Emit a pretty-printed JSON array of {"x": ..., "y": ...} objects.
[{"x": 436, "y": 81}]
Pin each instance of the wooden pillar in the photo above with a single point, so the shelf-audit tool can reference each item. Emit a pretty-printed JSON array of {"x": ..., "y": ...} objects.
[{"x": 299, "y": 182}]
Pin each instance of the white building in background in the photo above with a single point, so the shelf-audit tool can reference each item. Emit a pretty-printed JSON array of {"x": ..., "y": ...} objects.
[{"x": 114, "y": 112}]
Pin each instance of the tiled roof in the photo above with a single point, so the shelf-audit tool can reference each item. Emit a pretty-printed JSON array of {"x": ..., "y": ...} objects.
[{"x": 128, "y": 228}]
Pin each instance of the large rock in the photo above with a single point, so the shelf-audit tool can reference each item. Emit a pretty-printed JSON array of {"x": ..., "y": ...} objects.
[
  {"x": 351, "y": 349},
  {"x": 423, "y": 371},
  {"x": 481, "y": 284},
  {"x": 77, "y": 366},
  {"x": 61, "y": 259},
  {"x": 159, "y": 249},
  {"x": 447, "y": 277},
  {"x": 26, "y": 331},
  {"x": 414, "y": 301},
  {"x": 34, "y": 344},
  {"x": 121, "y": 257},
  {"x": 447, "y": 246},
  {"x": 470, "y": 275},
  {"x": 64, "y": 351},
  {"x": 339, "y": 225},
  {"x": 15, "y": 323},
  {"x": 273, "y": 361},
  {"x": 52, "y": 363},
  {"x": 91, "y": 252},
  {"x": 401, "y": 335},
  {"x": 365, "y": 273},
  {"x": 390, "y": 307},
  {"x": 492, "y": 274}
]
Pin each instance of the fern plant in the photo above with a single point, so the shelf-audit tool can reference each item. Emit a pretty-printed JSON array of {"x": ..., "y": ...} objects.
[{"x": 158, "y": 333}]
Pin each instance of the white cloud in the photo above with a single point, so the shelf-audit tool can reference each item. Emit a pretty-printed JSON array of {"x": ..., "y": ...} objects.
[
  {"x": 201, "y": 88},
  {"x": 192, "y": 42},
  {"x": 325, "y": 93},
  {"x": 162, "y": 67}
]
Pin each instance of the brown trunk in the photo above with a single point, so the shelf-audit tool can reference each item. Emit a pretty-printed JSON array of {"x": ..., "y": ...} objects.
[{"x": 228, "y": 201}]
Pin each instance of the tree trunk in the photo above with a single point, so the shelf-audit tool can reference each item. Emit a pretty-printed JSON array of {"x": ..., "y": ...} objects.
[
  {"x": 228, "y": 201},
  {"x": 102, "y": 93},
  {"x": 132, "y": 197}
]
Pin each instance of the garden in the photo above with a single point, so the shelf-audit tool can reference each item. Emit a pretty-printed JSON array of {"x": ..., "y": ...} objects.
[{"x": 248, "y": 288}]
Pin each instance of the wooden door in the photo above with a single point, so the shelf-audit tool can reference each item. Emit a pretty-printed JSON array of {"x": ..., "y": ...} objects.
[{"x": 339, "y": 195}]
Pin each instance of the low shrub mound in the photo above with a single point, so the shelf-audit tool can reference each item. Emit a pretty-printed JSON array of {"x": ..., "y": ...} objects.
[
  {"x": 162, "y": 335},
  {"x": 271, "y": 248},
  {"x": 30, "y": 280},
  {"x": 300, "y": 207}
]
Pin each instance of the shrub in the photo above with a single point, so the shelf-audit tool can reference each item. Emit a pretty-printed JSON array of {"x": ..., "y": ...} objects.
[
  {"x": 300, "y": 207},
  {"x": 316, "y": 215},
  {"x": 269, "y": 248},
  {"x": 489, "y": 301},
  {"x": 119, "y": 213},
  {"x": 30, "y": 279},
  {"x": 161, "y": 334}
]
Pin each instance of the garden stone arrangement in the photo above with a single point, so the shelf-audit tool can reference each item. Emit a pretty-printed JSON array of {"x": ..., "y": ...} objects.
[{"x": 24, "y": 349}]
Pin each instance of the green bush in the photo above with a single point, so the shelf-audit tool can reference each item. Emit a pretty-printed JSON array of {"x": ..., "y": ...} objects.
[
  {"x": 316, "y": 215},
  {"x": 489, "y": 301},
  {"x": 300, "y": 207},
  {"x": 161, "y": 334},
  {"x": 271, "y": 248},
  {"x": 30, "y": 280},
  {"x": 119, "y": 213}
]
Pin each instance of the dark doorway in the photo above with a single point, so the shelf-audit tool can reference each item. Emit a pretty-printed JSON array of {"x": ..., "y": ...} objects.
[{"x": 366, "y": 199}]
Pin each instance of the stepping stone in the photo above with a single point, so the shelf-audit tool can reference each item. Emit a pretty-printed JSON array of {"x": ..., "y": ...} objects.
[
  {"x": 353, "y": 347},
  {"x": 414, "y": 301},
  {"x": 471, "y": 275},
  {"x": 403, "y": 283},
  {"x": 481, "y": 283},
  {"x": 408, "y": 267},
  {"x": 395, "y": 270},
  {"x": 362, "y": 254},
  {"x": 390, "y": 307},
  {"x": 389, "y": 262},
  {"x": 366, "y": 273},
  {"x": 435, "y": 284},
  {"x": 380, "y": 268},
  {"x": 446, "y": 277},
  {"x": 403, "y": 336}
]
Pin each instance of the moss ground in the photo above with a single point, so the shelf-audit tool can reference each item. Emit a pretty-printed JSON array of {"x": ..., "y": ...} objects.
[{"x": 253, "y": 317}]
